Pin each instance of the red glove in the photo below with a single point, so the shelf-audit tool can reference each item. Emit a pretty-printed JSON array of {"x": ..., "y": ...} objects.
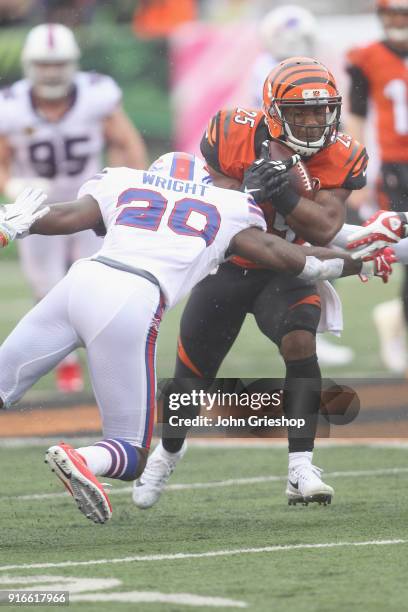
[
  {"x": 380, "y": 230},
  {"x": 379, "y": 264}
]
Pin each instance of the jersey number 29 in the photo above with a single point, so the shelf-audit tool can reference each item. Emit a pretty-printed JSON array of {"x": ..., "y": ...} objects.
[{"x": 152, "y": 206}]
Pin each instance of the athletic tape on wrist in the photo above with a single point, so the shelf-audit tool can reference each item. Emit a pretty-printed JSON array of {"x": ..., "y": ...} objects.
[{"x": 312, "y": 269}]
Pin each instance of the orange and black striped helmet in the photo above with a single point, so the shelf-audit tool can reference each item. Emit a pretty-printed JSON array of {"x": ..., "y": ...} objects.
[{"x": 302, "y": 104}]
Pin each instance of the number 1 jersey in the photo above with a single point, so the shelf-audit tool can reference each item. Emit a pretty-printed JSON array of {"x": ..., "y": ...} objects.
[
  {"x": 177, "y": 230},
  {"x": 67, "y": 151}
]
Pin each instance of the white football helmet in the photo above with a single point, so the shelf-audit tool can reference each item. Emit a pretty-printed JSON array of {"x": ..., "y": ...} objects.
[
  {"x": 50, "y": 59},
  {"x": 182, "y": 166},
  {"x": 289, "y": 31}
]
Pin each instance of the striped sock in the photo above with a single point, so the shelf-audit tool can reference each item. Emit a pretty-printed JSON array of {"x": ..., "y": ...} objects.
[{"x": 114, "y": 458}]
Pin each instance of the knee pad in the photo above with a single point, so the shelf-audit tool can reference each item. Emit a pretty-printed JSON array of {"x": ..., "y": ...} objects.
[{"x": 303, "y": 317}]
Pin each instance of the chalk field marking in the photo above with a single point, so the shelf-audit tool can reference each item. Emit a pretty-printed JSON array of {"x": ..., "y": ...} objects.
[
  {"x": 186, "y": 599},
  {"x": 78, "y": 588},
  {"x": 225, "y": 443},
  {"x": 213, "y": 553},
  {"x": 233, "y": 482}
]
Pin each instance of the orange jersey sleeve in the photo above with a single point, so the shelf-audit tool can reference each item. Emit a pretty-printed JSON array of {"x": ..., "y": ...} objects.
[
  {"x": 229, "y": 144},
  {"x": 342, "y": 164},
  {"x": 386, "y": 73}
]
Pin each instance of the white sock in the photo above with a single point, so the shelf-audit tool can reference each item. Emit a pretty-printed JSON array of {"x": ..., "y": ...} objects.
[
  {"x": 98, "y": 459},
  {"x": 297, "y": 459}
]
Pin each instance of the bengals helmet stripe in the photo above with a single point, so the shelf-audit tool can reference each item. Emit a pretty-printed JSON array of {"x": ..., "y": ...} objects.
[{"x": 302, "y": 82}]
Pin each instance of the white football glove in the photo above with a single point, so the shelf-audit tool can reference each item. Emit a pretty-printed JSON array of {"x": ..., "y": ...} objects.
[
  {"x": 381, "y": 230},
  {"x": 16, "y": 219}
]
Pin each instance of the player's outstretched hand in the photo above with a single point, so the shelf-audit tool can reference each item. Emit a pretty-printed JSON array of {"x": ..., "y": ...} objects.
[
  {"x": 380, "y": 230},
  {"x": 379, "y": 264},
  {"x": 16, "y": 219}
]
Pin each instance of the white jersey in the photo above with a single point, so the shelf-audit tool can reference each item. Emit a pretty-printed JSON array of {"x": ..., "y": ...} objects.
[
  {"x": 67, "y": 151},
  {"x": 176, "y": 230}
]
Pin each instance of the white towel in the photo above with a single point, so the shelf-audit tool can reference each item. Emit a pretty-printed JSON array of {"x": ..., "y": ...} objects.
[{"x": 331, "y": 318}]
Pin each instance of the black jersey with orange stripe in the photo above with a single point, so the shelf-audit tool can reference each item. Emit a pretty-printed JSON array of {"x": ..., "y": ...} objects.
[{"x": 233, "y": 141}]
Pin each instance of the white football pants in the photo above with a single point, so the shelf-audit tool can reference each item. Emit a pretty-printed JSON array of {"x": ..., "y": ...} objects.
[
  {"x": 46, "y": 259},
  {"x": 115, "y": 315}
]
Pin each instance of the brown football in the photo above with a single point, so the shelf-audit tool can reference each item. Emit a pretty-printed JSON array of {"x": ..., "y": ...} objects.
[{"x": 299, "y": 176}]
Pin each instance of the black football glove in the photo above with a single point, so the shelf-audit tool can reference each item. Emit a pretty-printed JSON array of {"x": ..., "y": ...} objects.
[{"x": 267, "y": 181}]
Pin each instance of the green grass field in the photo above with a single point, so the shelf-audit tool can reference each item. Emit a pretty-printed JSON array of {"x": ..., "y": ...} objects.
[
  {"x": 253, "y": 355},
  {"x": 106, "y": 565}
]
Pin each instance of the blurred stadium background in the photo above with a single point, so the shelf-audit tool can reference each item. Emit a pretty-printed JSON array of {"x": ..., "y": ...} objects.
[
  {"x": 174, "y": 76},
  {"x": 177, "y": 62}
]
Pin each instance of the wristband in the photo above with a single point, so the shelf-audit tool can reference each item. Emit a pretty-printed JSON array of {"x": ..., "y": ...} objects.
[
  {"x": 286, "y": 202},
  {"x": 331, "y": 268},
  {"x": 312, "y": 269}
]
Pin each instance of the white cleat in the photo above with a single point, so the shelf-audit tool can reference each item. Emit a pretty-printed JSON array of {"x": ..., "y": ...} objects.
[
  {"x": 88, "y": 493},
  {"x": 390, "y": 325},
  {"x": 159, "y": 467},
  {"x": 332, "y": 354},
  {"x": 306, "y": 486}
]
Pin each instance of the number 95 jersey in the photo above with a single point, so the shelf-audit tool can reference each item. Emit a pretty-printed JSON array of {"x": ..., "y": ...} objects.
[
  {"x": 177, "y": 230},
  {"x": 67, "y": 151}
]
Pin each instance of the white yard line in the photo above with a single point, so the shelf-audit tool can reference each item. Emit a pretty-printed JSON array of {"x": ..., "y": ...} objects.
[
  {"x": 212, "y": 553},
  {"x": 233, "y": 482},
  {"x": 224, "y": 443}
]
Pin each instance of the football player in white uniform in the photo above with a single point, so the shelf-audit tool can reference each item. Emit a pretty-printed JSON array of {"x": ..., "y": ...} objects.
[
  {"x": 286, "y": 31},
  {"x": 54, "y": 126},
  {"x": 166, "y": 229}
]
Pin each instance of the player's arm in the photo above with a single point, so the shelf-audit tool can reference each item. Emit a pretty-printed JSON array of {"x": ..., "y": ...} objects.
[
  {"x": 274, "y": 252},
  {"x": 125, "y": 145},
  {"x": 69, "y": 218},
  {"x": 319, "y": 220},
  {"x": 308, "y": 263}
]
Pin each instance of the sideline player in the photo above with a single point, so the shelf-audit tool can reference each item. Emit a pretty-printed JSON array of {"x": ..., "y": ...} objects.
[
  {"x": 163, "y": 235},
  {"x": 302, "y": 108},
  {"x": 379, "y": 75},
  {"x": 54, "y": 126}
]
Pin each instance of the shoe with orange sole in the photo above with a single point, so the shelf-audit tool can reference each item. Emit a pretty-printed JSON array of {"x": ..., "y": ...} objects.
[{"x": 88, "y": 493}]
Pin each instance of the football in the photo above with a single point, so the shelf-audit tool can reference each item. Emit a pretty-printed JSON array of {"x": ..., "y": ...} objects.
[{"x": 299, "y": 176}]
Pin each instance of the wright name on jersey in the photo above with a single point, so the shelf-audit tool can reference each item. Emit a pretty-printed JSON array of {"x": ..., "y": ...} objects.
[{"x": 153, "y": 222}]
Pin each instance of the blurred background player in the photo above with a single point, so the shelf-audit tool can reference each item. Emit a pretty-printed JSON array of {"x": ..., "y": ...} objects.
[
  {"x": 55, "y": 125},
  {"x": 285, "y": 31},
  {"x": 289, "y": 31},
  {"x": 379, "y": 75}
]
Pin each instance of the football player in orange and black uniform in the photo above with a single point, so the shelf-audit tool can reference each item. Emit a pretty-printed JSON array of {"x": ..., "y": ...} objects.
[
  {"x": 301, "y": 108},
  {"x": 379, "y": 74}
]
